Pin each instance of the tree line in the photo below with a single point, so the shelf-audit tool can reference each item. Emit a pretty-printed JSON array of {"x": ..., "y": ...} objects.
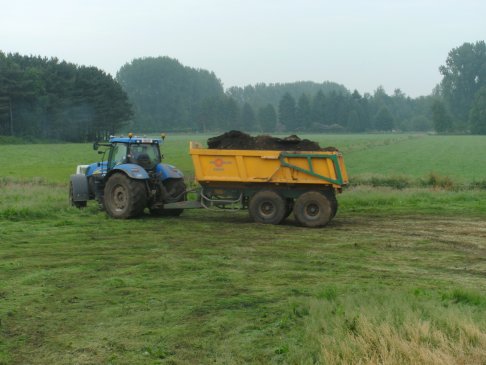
[
  {"x": 56, "y": 100},
  {"x": 460, "y": 98},
  {"x": 53, "y": 99},
  {"x": 169, "y": 96}
]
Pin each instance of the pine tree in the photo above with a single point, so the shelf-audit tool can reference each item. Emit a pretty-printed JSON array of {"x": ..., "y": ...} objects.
[{"x": 286, "y": 112}]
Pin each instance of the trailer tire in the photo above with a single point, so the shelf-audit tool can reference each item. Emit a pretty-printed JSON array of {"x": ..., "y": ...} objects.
[
  {"x": 124, "y": 197},
  {"x": 331, "y": 195},
  {"x": 267, "y": 207},
  {"x": 313, "y": 209}
]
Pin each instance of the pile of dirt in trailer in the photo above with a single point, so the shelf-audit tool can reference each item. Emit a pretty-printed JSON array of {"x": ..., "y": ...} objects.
[{"x": 236, "y": 140}]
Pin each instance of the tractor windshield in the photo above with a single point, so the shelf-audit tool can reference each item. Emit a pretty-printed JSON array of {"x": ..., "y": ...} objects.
[
  {"x": 144, "y": 154},
  {"x": 118, "y": 154}
]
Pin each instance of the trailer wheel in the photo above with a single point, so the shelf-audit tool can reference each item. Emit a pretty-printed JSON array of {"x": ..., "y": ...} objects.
[
  {"x": 77, "y": 204},
  {"x": 268, "y": 207},
  {"x": 313, "y": 209},
  {"x": 124, "y": 197},
  {"x": 331, "y": 195}
]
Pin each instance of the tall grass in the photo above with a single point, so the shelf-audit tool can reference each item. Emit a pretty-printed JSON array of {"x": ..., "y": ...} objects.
[
  {"x": 383, "y": 200},
  {"x": 31, "y": 198},
  {"x": 432, "y": 180},
  {"x": 384, "y": 327}
]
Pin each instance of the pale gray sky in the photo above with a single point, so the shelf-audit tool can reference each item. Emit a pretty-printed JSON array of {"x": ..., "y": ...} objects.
[{"x": 360, "y": 44}]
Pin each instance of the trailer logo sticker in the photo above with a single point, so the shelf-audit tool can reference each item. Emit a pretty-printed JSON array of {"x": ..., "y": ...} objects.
[{"x": 219, "y": 164}]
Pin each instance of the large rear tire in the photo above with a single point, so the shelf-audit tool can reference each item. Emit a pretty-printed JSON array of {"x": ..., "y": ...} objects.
[
  {"x": 124, "y": 197},
  {"x": 267, "y": 207},
  {"x": 313, "y": 209}
]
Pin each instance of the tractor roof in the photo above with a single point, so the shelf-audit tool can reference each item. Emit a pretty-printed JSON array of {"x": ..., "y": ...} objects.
[{"x": 135, "y": 139}]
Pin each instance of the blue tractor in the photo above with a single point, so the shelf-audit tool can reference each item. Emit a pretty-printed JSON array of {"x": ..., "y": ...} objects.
[{"x": 131, "y": 179}]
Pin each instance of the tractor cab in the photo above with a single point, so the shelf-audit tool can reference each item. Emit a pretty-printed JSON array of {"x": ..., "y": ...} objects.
[{"x": 138, "y": 151}]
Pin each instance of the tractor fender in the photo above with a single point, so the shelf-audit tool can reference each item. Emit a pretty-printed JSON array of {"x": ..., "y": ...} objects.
[
  {"x": 80, "y": 188},
  {"x": 132, "y": 170},
  {"x": 167, "y": 171}
]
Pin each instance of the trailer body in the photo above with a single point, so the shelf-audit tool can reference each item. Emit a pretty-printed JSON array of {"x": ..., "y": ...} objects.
[
  {"x": 275, "y": 167},
  {"x": 271, "y": 184}
]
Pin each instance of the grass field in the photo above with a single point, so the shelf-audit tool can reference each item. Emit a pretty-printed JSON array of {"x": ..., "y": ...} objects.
[{"x": 398, "y": 277}]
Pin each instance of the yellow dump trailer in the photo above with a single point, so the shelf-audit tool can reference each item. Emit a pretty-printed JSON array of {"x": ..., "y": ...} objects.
[
  {"x": 276, "y": 167},
  {"x": 271, "y": 184}
]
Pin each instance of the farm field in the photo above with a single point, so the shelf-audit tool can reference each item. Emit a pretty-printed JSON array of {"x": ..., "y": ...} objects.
[
  {"x": 398, "y": 276},
  {"x": 412, "y": 156}
]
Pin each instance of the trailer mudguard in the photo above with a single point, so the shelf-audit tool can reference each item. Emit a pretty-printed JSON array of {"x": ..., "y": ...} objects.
[
  {"x": 79, "y": 183},
  {"x": 132, "y": 170},
  {"x": 167, "y": 171}
]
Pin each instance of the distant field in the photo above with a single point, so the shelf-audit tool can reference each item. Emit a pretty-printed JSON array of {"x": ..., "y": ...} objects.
[
  {"x": 415, "y": 156},
  {"x": 398, "y": 277}
]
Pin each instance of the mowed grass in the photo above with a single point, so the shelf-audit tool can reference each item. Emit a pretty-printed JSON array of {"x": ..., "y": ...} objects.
[{"x": 398, "y": 277}]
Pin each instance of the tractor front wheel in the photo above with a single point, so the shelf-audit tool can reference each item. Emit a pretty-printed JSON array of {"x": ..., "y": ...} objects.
[{"x": 124, "y": 197}]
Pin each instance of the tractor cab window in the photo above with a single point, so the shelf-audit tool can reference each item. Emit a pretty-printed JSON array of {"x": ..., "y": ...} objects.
[
  {"x": 145, "y": 155},
  {"x": 118, "y": 155}
]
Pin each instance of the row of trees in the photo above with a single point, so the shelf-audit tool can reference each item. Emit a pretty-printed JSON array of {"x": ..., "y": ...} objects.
[
  {"x": 320, "y": 112},
  {"x": 52, "y": 99},
  {"x": 169, "y": 96},
  {"x": 460, "y": 98}
]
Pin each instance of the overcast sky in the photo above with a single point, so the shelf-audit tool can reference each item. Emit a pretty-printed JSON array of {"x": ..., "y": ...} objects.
[{"x": 360, "y": 44}]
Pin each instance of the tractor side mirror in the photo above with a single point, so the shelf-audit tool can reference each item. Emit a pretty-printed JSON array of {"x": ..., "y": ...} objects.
[{"x": 96, "y": 145}]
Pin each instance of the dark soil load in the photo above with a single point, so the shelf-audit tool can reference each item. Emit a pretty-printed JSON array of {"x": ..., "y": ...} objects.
[{"x": 236, "y": 140}]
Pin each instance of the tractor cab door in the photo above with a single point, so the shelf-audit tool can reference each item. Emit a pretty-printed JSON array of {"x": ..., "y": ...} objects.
[{"x": 118, "y": 155}]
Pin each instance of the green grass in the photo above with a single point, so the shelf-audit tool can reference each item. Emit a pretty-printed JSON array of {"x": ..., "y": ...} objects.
[
  {"x": 398, "y": 277},
  {"x": 78, "y": 287},
  {"x": 459, "y": 158}
]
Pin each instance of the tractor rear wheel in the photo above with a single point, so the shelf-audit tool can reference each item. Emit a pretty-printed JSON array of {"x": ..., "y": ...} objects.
[
  {"x": 313, "y": 209},
  {"x": 124, "y": 197},
  {"x": 268, "y": 207}
]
